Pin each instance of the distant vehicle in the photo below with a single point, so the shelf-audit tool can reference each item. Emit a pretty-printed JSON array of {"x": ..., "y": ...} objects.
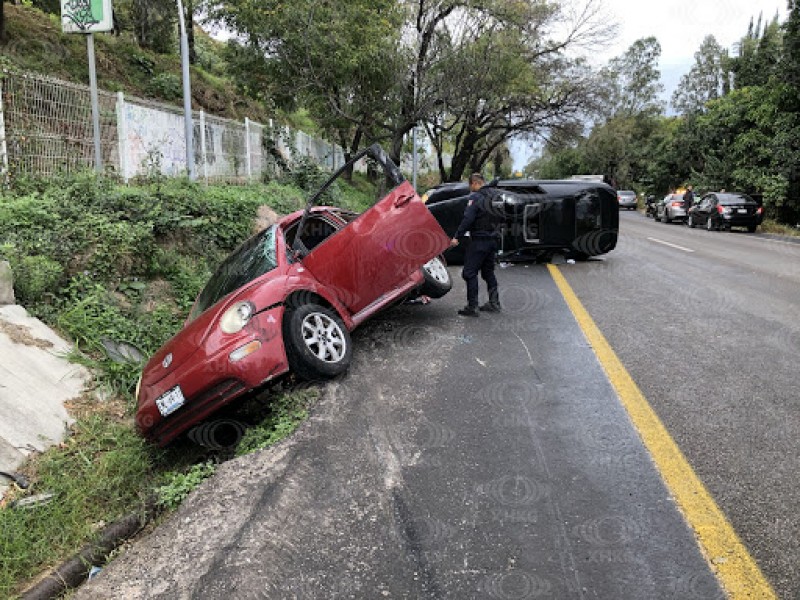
[
  {"x": 627, "y": 199},
  {"x": 671, "y": 209},
  {"x": 721, "y": 211},
  {"x": 579, "y": 218}
]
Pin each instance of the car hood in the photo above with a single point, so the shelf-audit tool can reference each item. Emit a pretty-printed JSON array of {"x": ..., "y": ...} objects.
[
  {"x": 181, "y": 347},
  {"x": 195, "y": 335}
]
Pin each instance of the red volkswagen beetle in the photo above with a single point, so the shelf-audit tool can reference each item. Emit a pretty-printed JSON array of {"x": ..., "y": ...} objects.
[{"x": 287, "y": 299}]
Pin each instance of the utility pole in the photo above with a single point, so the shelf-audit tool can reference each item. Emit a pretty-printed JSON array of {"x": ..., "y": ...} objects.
[{"x": 187, "y": 95}]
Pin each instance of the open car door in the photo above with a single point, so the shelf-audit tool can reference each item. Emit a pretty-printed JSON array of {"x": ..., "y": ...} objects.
[{"x": 378, "y": 251}]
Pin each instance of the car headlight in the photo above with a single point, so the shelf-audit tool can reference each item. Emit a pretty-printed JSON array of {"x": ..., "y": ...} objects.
[{"x": 236, "y": 317}]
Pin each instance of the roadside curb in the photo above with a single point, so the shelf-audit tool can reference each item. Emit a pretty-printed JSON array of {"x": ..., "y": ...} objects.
[
  {"x": 789, "y": 239},
  {"x": 75, "y": 571}
]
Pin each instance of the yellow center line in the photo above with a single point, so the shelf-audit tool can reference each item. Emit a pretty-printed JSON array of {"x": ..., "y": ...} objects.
[{"x": 728, "y": 558}]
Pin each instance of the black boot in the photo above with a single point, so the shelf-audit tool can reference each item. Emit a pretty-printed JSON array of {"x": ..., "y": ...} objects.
[
  {"x": 493, "y": 305},
  {"x": 469, "y": 311}
]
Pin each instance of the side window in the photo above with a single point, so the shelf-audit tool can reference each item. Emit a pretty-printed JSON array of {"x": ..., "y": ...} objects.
[{"x": 315, "y": 231}]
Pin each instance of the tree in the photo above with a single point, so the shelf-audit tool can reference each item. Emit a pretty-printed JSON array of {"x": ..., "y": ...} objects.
[
  {"x": 758, "y": 54},
  {"x": 786, "y": 142},
  {"x": 633, "y": 80},
  {"x": 404, "y": 65},
  {"x": 705, "y": 81},
  {"x": 153, "y": 24},
  {"x": 309, "y": 54},
  {"x": 506, "y": 75}
]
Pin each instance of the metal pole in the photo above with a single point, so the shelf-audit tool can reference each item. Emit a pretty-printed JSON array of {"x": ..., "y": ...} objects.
[
  {"x": 187, "y": 95},
  {"x": 3, "y": 145},
  {"x": 203, "y": 151},
  {"x": 98, "y": 154},
  {"x": 249, "y": 161},
  {"x": 414, "y": 158},
  {"x": 122, "y": 134},
  {"x": 414, "y": 139}
]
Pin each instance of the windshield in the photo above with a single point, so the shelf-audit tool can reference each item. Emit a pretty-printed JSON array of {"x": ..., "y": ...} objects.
[{"x": 251, "y": 260}]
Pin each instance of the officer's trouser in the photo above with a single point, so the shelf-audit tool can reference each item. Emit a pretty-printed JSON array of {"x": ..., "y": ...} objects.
[{"x": 479, "y": 257}]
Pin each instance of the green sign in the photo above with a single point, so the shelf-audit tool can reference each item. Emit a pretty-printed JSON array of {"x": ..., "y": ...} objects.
[{"x": 86, "y": 16}]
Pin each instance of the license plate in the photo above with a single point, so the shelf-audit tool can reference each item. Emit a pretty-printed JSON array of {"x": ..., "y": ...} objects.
[
  {"x": 170, "y": 402},
  {"x": 742, "y": 211}
]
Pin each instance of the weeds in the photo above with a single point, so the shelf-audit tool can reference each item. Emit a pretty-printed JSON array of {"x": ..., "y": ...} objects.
[
  {"x": 287, "y": 411},
  {"x": 770, "y": 226},
  {"x": 108, "y": 262},
  {"x": 97, "y": 475},
  {"x": 179, "y": 485}
]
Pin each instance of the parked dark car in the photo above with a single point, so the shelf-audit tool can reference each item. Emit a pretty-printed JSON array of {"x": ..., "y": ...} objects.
[
  {"x": 579, "y": 218},
  {"x": 719, "y": 211},
  {"x": 287, "y": 299}
]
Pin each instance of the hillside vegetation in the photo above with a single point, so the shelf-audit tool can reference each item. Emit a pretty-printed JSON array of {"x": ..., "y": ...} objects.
[
  {"x": 35, "y": 44},
  {"x": 101, "y": 262}
]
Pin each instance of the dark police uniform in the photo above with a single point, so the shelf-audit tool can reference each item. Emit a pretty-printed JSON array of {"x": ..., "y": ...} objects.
[
  {"x": 688, "y": 200},
  {"x": 483, "y": 224}
]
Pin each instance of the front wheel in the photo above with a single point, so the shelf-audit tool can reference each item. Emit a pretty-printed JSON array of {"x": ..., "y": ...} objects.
[
  {"x": 690, "y": 220},
  {"x": 437, "y": 278},
  {"x": 709, "y": 225},
  {"x": 667, "y": 220},
  {"x": 317, "y": 343}
]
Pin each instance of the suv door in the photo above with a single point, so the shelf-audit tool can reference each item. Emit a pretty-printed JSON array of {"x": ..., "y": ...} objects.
[{"x": 378, "y": 251}]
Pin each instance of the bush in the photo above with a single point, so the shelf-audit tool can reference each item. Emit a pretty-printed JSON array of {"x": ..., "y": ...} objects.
[
  {"x": 36, "y": 276},
  {"x": 166, "y": 86}
]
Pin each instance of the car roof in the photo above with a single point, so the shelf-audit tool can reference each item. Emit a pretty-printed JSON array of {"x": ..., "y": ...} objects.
[{"x": 545, "y": 187}]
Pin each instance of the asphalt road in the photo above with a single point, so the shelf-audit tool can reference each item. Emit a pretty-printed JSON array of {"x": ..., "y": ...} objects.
[
  {"x": 708, "y": 325},
  {"x": 490, "y": 457}
]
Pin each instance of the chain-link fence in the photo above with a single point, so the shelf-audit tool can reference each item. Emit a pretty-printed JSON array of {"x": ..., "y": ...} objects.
[
  {"x": 48, "y": 126},
  {"x": 46, "y": 129}
]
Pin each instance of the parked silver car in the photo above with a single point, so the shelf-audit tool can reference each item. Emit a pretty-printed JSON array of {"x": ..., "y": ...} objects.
[
  {"x": 626, "y": 199},
  {"x": 671, "y": 209}
]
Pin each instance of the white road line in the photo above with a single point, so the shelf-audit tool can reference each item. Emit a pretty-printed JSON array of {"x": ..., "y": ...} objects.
[{"x": 657, "y": 241}]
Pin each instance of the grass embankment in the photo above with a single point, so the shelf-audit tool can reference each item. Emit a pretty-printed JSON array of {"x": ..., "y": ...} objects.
[
  {"x": 36, "y": 44},
  {"x": 770, "y": 226},
  {"x": 97, "y": 261}
]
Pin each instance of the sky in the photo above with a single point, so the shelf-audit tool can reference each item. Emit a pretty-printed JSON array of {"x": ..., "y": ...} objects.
[{"x": 680, "y": 27}]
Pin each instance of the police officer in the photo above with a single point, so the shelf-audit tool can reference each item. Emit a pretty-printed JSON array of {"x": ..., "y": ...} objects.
[
  {"x": 688, "y": 200},
  {"x": 482, "y": 223}
]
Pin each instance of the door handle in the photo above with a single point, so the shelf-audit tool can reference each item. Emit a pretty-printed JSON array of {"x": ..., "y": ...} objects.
[{"x": 402, "y": 201}]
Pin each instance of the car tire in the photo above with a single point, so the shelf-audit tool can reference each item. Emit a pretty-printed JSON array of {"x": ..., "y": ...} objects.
[
  {"x": 667, "y": 220},
  {"x": 656, "y": 217},
  {"x": 751, "y": 228},
  {"x": 318, "y": 344},
  {"x": 709, "y": 225},
  {"x": 437, "y": 278},
  {"x": 690, "y": 221}
]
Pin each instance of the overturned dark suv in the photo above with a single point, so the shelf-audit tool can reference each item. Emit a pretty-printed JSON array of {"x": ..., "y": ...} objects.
[{"x": 539, "y": 218}]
